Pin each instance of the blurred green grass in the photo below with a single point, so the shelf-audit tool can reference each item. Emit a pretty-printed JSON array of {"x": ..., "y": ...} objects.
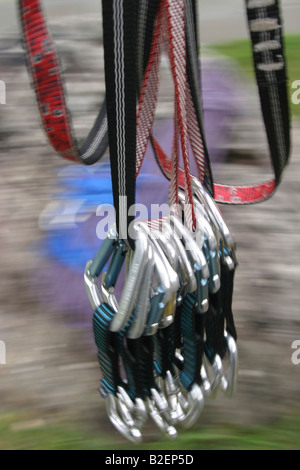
[
  {"x": 283, "y": 435},
  {"x": 240, "y": 51}
]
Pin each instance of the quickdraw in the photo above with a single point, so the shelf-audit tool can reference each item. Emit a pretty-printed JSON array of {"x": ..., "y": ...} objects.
[{"x": 164, "y": 343}]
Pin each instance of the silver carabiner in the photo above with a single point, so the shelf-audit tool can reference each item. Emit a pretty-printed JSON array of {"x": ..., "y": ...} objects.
[
  {"x": 142, "y": 306},
  {"x": 125, "y": 424},
  {"x": 94, "y": 268},
  {"x": 198, "y": 262},
  {"x": 159, "y": 411},
  {"x": 92, "y": 289},
  {"x": 177, "y": 402},
  {"x": 169, "y": 249},
  {"x": 108, "y": 294},
  {"x": 228, "y": 384},
  {"x": 212, "y": 374},
  {"x": 132, "y": 284},
  {"x": 164, "y": 269},
  {"x": 215, "y": 215},
  {"x": 188, "y": 278},
  {"x": 163, "y": 302},
  {"x": 196, "y": 254},
  {"x": 195, "y": 405},
  {"x": 212, "y": 247},
  {"x": 168, "y": 253},
  {"x": 134, "y": 413}
]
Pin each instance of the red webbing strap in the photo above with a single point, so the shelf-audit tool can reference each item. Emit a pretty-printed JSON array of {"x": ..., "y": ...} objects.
[
  {"x": 44, "y": 68},
  {"x": 149, "y": 93},
  {"x": 271, "y": 80},
  {"x": 173, "y": 13},
  {"x": 225, "y": 194}
]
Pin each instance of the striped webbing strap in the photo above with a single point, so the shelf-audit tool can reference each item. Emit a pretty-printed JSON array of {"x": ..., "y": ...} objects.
[
  {"x": 44, "y": 67},
  {"x": 265, "y": 28},
  {"x": 170, "y": 30},
  {"x": 119, "y": 38},
  {"x": 129, "y": 134}
]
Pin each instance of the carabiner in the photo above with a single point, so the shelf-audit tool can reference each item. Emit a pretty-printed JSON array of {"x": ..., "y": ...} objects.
[
  {"x": 215, "y": 215},
  {"x": 92, "y": 289},
  {"x": 163, "y": 301},
  {"x": 159, "y": 411},
  {"x": 143, "y": 303},
  {"x": 132, "y": 284},
  {"x": 168, "y": 255},
  {"x": 187, "y": 276},
  {"x": 164, "y": 269},
  {"x": 134, "y": 412},
  {"x": 228, "y": 384},
  {"x": 175, "y": 399},
  {"x": 109, "y": 278},
  {"x": 104, "y": 253},
  {"x": 210, "y": 248},
  {"x": 196, "y": 402},
  {"x": 169, "y": 249},
  {"x": 94, "y": 268},
  {"x": 108, "y": 294},
  {"x": 127, "y": 429},
  {"x": 198, "y": 262},
  {"x": 212, "y": 373}
]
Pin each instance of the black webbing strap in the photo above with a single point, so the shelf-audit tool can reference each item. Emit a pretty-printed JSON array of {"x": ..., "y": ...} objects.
[
  {"x": 227, "y": 289},
  {"x": 265, "y": 27},
  {"x": 194, "y": 81},
  {"x": 147, "y": 11},
  {"x": 119, "y": 34}
]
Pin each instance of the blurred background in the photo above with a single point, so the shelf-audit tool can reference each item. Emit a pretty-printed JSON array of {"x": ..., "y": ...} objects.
[{"x": 48, "y": 221}]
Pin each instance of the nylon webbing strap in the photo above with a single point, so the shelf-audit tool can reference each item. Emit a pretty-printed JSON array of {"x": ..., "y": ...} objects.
[
  {"x": 147, "y": 13},
  {"x": 173, "y": 15},
  {"x": 44, "y": 68},
  {"x": 265, "y": 28},
  {"x": 177, "y": 50},
  {"x": 267, "y": 41},
  {"x": 196, "y": 130},
  {"x": 266, "y": 35},
  {"x": 119, "y": 34}
]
